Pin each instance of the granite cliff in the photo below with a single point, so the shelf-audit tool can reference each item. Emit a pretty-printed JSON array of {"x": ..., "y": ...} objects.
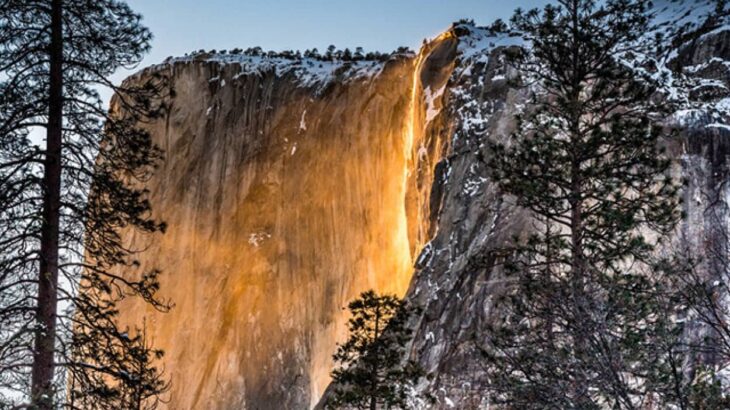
[{"x": 284, "y": 191}]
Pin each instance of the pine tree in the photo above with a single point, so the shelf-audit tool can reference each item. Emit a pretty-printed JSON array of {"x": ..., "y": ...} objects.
[
  {"x": 359, "y": 54},
  {"x": 330, "y": 54},
  {"x": 65, "y": 201},
  {"x": 371, "y": 372},
  {"x": 587, "y": 314},
  {"x": 125, "y": 376}
]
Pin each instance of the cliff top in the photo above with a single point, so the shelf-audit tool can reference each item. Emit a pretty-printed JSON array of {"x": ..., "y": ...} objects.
[
  {"x": 680, "y": 26},
  {"x": 310, "y": 69}
]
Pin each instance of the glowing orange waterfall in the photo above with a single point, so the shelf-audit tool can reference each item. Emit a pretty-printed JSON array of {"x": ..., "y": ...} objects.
[{"x": 424, "y": 136}]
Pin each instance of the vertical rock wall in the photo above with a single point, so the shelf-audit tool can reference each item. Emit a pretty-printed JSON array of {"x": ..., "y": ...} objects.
[{"x": 283, "y": 201}]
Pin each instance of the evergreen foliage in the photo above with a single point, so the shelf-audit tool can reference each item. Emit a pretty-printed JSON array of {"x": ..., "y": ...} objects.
[
  {"x": 588, "y": 312},
  {"x": 371, "y": 373},
  {"x": 124, "y": 373},
  {"x": 332, "y": 54},
  {"x": 706, "y": 392},
  {"x": 66, "y": 200}
]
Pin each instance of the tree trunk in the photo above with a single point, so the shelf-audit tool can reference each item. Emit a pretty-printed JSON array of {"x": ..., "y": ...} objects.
[
  {"x": 43, "y": 356},
  {"x": 578, "y": 268},
  {"x": 578, "y": 283},
  {"x": 374, "y": 374}
]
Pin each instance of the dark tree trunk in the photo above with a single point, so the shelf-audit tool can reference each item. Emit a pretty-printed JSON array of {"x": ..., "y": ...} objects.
[
  {"x": 374, "y": 374},
  {"x": 43, "y": 355},
  {"x": 578, "y": 283},
  {"x": 578, "y": 271}
]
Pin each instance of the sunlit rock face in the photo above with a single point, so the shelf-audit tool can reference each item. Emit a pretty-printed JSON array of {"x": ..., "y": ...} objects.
[
  {"x": 285, "y": 193},
  {"x": 291, "y": 185}
]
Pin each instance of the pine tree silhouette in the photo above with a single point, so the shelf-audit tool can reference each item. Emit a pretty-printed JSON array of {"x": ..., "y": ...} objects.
[{"x": 371, "y": 371}]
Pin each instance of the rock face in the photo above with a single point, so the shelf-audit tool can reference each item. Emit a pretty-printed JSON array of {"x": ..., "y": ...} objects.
[
  {"x": 284, "y": 194},
  {"x": 291, "y": 185}
]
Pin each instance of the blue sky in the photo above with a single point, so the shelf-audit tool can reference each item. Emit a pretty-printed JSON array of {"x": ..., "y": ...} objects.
[{"x": 181, "y": 26}]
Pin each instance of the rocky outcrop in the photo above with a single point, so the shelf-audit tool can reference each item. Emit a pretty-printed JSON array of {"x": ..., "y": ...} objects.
[{"x": 292, "y": 184}]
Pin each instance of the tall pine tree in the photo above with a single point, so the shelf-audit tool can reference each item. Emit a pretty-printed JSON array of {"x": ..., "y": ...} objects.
[
  {"x": 371, "y": 372},
  {"x": 65, "y": 200},
  {"x": 587, "y": 320}
]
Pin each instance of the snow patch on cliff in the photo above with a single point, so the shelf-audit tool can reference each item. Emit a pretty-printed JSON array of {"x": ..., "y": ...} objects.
[
  {"x": 255, "y": 239},
  {"x": 676, "y": 17},
  {"x": 303, "y": 121},
  {"x": 308, "y": 72},
  {"x": 431, "y": 102},
  {"x": 477, "y": 42}
]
